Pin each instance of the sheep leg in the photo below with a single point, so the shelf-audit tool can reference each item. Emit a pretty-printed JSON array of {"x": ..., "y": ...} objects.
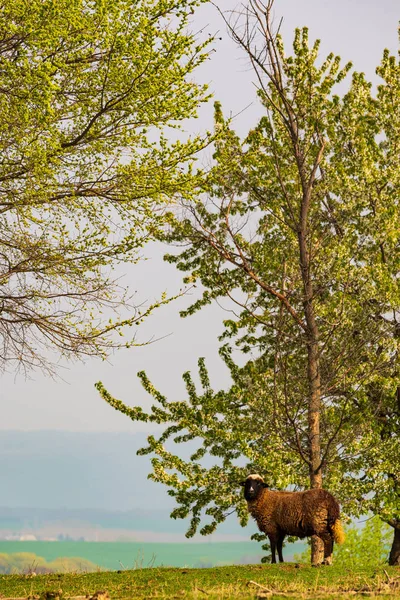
[
  {"x": 272, "y": 543},
  {"x": 279, "y": 543},
  {"x": 328, "y": 548}
]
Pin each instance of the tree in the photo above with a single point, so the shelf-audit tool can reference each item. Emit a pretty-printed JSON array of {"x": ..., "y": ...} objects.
[
  {"x": 223, "y": 435},
  {"x": 372, "y": 483},
  {"x": 88, "y": 89},
  {"x": 373, "y": 478},
  {"x": 383, "y": 467},
  {"x": 292, "y": 229}
]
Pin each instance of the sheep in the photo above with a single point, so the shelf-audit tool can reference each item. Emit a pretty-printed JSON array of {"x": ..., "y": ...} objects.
[{"x": 277, "y": 514}]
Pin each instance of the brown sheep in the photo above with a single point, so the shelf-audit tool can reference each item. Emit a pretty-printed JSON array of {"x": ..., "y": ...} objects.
[{"x": 313, "y": 512}]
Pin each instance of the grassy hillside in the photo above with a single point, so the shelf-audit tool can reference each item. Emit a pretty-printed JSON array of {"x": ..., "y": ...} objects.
[{"x": 244, "y": 582}]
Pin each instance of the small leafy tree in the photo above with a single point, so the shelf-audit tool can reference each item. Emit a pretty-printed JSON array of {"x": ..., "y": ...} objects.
[
  {"x": 88, "y": 89},
  {"x": 368, "y": 546}
]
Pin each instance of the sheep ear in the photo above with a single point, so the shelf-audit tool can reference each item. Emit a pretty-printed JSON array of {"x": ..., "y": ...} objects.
[
  {"x": 265, "y": 485},
  {"x": 242, "y": 483}
]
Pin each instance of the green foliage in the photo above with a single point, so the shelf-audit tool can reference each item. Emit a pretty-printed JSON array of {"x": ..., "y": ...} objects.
[
  {"x": 88, "y": 91},
  {"x": 295, "y": 230},
  {"x": 366, "y": 547},
  {"x": 230, "y": 434}
]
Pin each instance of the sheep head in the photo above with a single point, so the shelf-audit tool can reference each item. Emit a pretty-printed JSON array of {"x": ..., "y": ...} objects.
[{"x": 253, "y": 486}]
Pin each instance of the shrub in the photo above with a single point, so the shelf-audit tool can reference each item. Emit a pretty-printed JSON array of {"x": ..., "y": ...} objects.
[{"x": 367, "y": 546}]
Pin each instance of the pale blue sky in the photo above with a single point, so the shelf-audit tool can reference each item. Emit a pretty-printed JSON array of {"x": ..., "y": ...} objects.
[{"x": 357, "y": 30}]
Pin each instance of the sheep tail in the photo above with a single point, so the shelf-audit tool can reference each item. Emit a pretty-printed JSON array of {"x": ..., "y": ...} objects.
[
  {"x": 338, "y": 533},
  {"x": 334, "y": 523}
]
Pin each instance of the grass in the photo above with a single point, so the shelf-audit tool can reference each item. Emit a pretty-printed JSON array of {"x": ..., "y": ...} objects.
[{"x": 237, "y": 582}]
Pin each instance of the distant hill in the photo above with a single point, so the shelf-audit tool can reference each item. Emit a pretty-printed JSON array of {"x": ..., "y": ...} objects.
[
  {"x": 57, "y": 484},
  {"x": 64, "y": 519}
]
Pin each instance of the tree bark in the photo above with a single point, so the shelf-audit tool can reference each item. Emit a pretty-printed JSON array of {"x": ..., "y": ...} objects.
[
  {"x": 313, "y": 371},
  {"x": 314, "y": 409},
  {"x": 394, "y": 556}
]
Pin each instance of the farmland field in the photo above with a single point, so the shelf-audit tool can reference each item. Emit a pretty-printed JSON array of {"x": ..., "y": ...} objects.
[{"x": 130, "y": 555}]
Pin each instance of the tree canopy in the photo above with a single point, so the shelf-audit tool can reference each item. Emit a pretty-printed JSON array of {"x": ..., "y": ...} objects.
[
  {"x": 297, "y": 227},
  {"x": 87, "y": 91}
]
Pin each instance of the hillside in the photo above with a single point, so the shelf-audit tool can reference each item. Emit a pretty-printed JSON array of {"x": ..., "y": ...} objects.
[
  {"x": 245, "y": 582},
  {"x": 65, "y": 485}
]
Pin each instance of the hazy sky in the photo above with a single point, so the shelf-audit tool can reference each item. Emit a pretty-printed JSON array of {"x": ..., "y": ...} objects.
[{"x": 357, "y": 30}]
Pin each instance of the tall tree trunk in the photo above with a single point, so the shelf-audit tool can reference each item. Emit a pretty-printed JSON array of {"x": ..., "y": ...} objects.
[
  {"x": 394, "y": 556},
  {"x": 314, "y": 410},
  {"x": 313, "y": 372}
]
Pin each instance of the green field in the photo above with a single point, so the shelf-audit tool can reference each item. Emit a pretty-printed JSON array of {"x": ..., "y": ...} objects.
[
  {"x": 130, "y": 555},
  {"x": 241, "y": 582}
]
